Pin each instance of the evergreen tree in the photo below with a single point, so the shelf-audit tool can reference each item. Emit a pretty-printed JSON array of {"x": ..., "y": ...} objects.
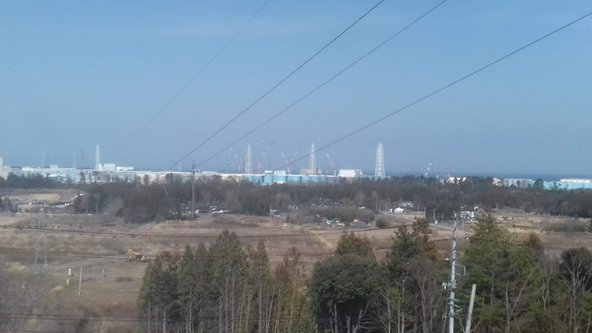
[
  {"x": 292, "y": 307},
  {"x": 261, "y": 286},
  {"x": 411, "y": 296},
  {"x": 229, "y": 270},
  {"x": 187, "y": 285},
  {"x": 157, "y": 299},
  {"x": 342, "y": 290},
  {"x": 507, "y": 276},
  {"x": 350, "y": 243}
]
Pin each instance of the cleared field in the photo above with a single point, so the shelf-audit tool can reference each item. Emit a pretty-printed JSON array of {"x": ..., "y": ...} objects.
[
  {"x": 111, "y": 284},
  {"x": 99, "y": 244}
]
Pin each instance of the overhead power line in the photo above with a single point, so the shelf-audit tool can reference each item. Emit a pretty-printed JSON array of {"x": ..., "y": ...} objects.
[
  {"x": 195, "y": 75},
  {"x": 275, "y": 86},
  {"x": 324, "y": 83},
  {"x": 446, "y": 86}
]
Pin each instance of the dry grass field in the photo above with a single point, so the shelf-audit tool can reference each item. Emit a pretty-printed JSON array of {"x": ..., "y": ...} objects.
[{"x": 110, "y": 284}]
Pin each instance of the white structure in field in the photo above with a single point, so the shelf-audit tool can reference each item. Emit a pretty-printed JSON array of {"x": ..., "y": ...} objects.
[
  {"x": 249, "y": 161},
  {"x": 98, "y": 165},
  {"x": 379, "y": 169},
  {"x": 312, "y": 163},
  {"x": 350, "y": 173}
]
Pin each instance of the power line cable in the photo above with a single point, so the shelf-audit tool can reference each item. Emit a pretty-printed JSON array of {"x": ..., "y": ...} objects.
[
  {"x": 276, "y": 85},
  {"x": 446, "y": 86},
  {"x": 197, "y": 74},
  {"x": 318, "y": 87}
]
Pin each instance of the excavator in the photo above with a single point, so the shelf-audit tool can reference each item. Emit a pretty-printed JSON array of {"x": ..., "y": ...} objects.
[{"x": 135, "y": 255}]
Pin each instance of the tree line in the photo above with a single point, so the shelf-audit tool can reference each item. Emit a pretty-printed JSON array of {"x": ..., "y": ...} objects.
[
  {"x": 225, "y": 288},
  {"x": 139, "y": 203},
  {"x": 229, "y": 287},
  {"x": 13, "y": 181}
]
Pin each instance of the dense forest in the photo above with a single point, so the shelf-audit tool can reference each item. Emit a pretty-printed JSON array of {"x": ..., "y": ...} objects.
[{"x": 228, "y": 287}]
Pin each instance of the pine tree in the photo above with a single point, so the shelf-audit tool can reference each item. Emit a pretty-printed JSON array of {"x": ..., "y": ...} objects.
[
  {"x": 350, "y": 243},
  {"x": 260, "y": 281},
  {"x": 292, "y": 306},
  {"x": 411, "y": 293},
  {"x": 507, "y": 276},
  {"x": 229, "y": 271},
  {"x": 186, "y": 287}
]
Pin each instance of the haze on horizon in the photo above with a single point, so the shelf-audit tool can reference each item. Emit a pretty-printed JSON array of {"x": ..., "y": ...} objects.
[{"x": 77, "y": 74}]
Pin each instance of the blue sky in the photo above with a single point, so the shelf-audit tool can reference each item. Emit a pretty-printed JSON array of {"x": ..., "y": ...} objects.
[{"x": 76, "y": 74}]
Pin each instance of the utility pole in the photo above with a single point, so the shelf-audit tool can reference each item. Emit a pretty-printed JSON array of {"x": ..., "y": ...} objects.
[
  {"x": 470, "y": 314},
  {"x": 40, "y": 238},
  {"x": 193, "y": 188},
  {"x": 80, "y": 283},
  {"x": 452, "y": 279}
]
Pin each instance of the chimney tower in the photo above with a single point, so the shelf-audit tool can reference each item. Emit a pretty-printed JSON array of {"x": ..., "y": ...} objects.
[{"x": 379, "y": 169}]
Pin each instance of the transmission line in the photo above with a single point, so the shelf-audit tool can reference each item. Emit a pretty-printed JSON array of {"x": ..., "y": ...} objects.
[
  {"x": 197, "y": 73},
  {"x": 318, "y": 87},
  {"x": 276, "y": 85},
  {"x": 396, "y": 111}
]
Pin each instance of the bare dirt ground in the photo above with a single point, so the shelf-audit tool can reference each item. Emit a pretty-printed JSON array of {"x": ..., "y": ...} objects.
[
  {"x": 111, "y": 284},
  {"x": 45, "y": 196}
]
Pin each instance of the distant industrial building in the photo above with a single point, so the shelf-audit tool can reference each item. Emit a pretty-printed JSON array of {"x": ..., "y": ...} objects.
[
  {"x": 568, "y": 184},
  {"x": 312, "y": 174},
  {"x": 350, "y": 173},
  {"x": 518, "y": 182}
]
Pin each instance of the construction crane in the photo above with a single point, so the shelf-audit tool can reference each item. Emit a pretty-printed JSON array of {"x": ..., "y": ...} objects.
[
  {"x": 427, "y": 172},
  {"x": 238, "y": 160},
  {"x": 261, "y": 156},
  {"x": 288, "y": 162},
  {"x": 332, "y": 163}
]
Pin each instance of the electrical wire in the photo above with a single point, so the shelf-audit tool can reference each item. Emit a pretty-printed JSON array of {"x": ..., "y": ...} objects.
[
  {"x": 324, "y": 83},
  {"x": 441, "y": 89},
  {"x": 197, "y": 74},
  {"x": 276, "y": 85}
]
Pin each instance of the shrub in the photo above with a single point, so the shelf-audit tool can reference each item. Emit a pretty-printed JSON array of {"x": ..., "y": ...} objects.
[{"x": 382, "y": 223}]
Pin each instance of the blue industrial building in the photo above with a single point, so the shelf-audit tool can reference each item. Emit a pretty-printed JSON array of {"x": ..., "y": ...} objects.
[
  {"x": 273, "y": 178},
  {"x": 568, "y": 184}
]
